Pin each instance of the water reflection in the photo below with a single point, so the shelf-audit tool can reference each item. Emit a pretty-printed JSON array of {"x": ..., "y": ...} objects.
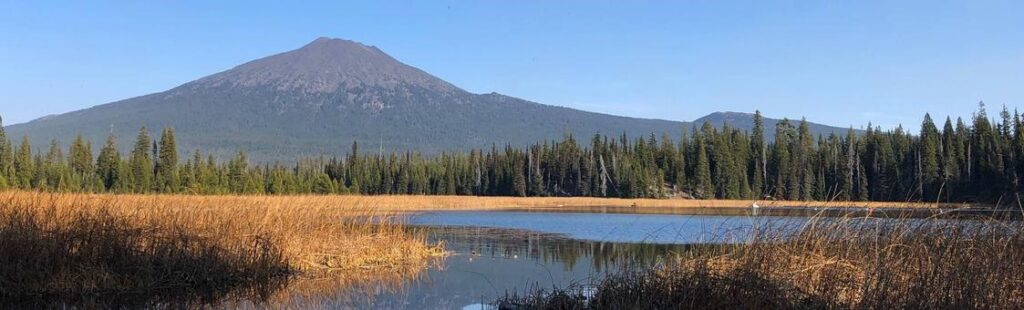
[
  {"x": 486, "y": 263},
  {"x": 498, "y": 253},
  {"x": 545, "y": 248},
  {"x": 1005, "y": 214},
  {"x": 689, "y": 227},
  {"x": 615, "y": 227}
]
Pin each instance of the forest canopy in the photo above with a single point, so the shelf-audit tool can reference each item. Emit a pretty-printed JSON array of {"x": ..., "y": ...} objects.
[{"x": 979, "y": 161}]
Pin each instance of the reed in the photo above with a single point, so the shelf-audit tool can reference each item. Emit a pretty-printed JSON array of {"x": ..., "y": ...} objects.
[
  {"x": 417, "y": 203},
  {"x": 848, "y": 263},
  {"x": 70, "y": 248},
  {"x": 480, "y": 202}
]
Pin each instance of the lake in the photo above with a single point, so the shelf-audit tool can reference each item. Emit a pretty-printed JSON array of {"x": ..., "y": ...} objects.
[
  {"x": 493, "y": 253},
  {"x": 499, "y": 252}
]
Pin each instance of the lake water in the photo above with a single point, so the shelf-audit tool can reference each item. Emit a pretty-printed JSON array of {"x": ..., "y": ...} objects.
[
  {"x": 494, "y": 253},
  {"x": 613, "y": 227}
]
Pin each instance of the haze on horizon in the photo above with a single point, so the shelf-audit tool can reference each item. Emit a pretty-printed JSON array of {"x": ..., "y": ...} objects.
[{"x": 840, "y": 64}]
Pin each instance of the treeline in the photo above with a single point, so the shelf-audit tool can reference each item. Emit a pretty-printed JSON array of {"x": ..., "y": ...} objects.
[{"x": 980, "y": 161}]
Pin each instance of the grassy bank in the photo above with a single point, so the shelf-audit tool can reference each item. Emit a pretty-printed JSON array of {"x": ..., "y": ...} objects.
[
  {"x": 413, "y": 203},
  {"x": 97, "y": 249},
  {"x": 829, "y": 264},
  {"x": 478, "y": 202},
  {"x": 385, "y": 203}
]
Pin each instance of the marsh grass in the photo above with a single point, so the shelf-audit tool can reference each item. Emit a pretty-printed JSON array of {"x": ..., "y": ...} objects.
[
  {"x": 414, "y": 203},
  {"x": 153, "y": 251},
  {"x": 826, "y": 263}
]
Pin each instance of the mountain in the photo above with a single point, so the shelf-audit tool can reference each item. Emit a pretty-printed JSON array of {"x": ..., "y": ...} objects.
[
  {"x": 745, "y": 121},
  {"x": 319, "y": 98}
]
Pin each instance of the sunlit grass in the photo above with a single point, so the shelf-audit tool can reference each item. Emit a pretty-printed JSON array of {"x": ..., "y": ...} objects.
[
  {"x": 419, "y": 203},
  {"x": 66, "y": 247}
]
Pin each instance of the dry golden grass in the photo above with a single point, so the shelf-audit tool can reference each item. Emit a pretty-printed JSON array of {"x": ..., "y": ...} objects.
[
  {"x": 315, "y": 233},
  {"x": 343, "y": 240},
  {"x": 473, "y": 202},
  {"x": 416, "y": 203},
  {"x": 384, "y": 204}
]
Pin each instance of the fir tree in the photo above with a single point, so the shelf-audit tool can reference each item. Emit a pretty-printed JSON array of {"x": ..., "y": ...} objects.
[
  {"x": 705, "y": 187},
  {"x": 81, "y": 157},
  {"x": 6, "y": 155},
  {"x": 928, "y": 160},
  {"x": 167, "y": 162},
  {"x": 141, "y": 165},
  {"x": 759, "y": 156},
  {"x": 108, "y": 162},
  {"x": 805, "y": 163},
  {"x": 782, "y": 171},
  {"x": 23, "y": 165}
]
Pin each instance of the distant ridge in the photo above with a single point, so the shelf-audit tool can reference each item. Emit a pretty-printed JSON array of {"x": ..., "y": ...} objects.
[
  {"x": 319, "y": 98},
  {"x": 745, "y": 121}
]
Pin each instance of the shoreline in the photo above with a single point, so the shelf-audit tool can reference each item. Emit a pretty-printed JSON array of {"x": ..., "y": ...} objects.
[
  {"x": 416, "y": 203},
  {"x": 427, "y": 202}
]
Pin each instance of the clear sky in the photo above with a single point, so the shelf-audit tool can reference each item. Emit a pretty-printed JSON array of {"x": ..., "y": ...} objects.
[{"x": 836, "y": 62}]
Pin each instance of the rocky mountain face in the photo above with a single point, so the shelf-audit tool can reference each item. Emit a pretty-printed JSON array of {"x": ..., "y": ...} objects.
[{"x": 319, "y": 98}]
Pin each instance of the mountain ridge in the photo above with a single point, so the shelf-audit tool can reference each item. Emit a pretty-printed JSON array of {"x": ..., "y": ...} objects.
[{"x": 319, "y": 98}]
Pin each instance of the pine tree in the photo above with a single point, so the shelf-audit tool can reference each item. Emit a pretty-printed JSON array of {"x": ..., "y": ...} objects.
[
  {"x": 848, "y": 171},
  {"x": 682, "y": 178},
  {"x": 534, "y": 175},
  {"x": 23, "y": 166},
  {"x": 1018, "y": 151},
  {"x": 951, "y": 157},
  {"x": 355, "y": 177},
  {"x": 81, "y": 157},
  {"x": 805, "y": 164},
  {"x": 704, "y": 186},
  {"x": 928, "y": 160},
  {"x": 167, "y": 162},
  {"x": 986, "y": 159},
  {"x": 237, "y": 173},
  {"x": 141, "y": 164},
  {"x": 108, "y": 162},
  {"x": 56, "y": 173},
  {"x": 518, "y": 180},
  {"x": 6, "y": 154},
  {"x": 782, "y": 171},
  {"x": 759, "y": 156},
  {"x": 721, "y": 164}
]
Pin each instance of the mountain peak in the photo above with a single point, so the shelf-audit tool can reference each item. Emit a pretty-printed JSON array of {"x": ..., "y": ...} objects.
[
  {"x": 327, "y": 65},
  {"x": 316, "y": 99},
  {"x": 325, "y": 39},
  {"x": 745, "y": 121},
  {"x": 730, "y": 114},
  {"x": 717, "y": 118},
  {"x": 342, "y": 46}
]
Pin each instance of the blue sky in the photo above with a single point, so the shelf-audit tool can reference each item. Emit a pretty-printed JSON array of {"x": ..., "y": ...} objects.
[{"x": 836, "y": 62}]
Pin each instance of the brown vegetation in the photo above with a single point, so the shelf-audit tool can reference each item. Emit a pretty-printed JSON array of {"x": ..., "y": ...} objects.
[
  {"x": 74, "y": 248},
  {"x": 829, "y": 264},
  {"x": 416, "y": 203},
  {"x": 461, "y": 202}
]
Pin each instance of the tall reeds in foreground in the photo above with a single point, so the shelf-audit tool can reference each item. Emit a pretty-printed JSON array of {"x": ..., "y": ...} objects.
[
  {"x": 107, "y": 250},
  {"x": 848, "y": 263}
]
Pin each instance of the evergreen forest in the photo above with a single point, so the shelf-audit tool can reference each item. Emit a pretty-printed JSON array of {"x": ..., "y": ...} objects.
[{"x": 977, "y": 160}]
